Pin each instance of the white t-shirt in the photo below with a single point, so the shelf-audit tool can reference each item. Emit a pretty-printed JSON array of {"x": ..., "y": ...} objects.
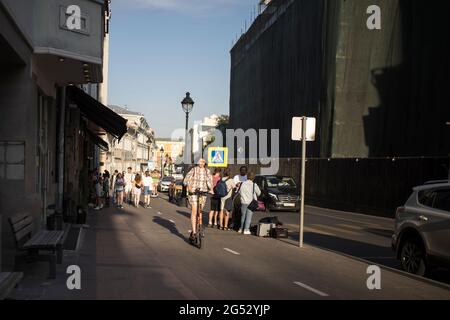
[
  {"x": 238, "y": 178},
  {"x": 148, "y": 181},
  {"x": 129, "y": 177}
]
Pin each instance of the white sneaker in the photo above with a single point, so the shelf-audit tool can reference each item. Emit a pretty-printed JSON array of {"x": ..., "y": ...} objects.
[
  {"x": 247, "y": 232},
  {"x": 97, "y": 208},
  {"x": 240, "y": 231}
]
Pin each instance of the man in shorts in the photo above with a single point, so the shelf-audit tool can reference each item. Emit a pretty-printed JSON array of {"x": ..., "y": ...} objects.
[{"x": 198, "y": 178}]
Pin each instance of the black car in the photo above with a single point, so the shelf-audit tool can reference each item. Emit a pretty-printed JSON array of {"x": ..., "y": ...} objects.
[{"x": 279, "y": 193}]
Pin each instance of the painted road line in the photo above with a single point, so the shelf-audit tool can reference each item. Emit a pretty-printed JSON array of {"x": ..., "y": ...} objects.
[
  {"x": 231, "y": 251},
  {"x": 172, "y": 221},
  {"x": 366, "y": 223},
  {"x": 314, "y": 230},
  {"x": 347, "y": 226},
  {"x": 159, "y": 213},
  {"x": 318, "y": 292},
  {"x": 347, "y": 213},
  {"x": 294, "y": 227},
  {"x": 338, "y": 230}
]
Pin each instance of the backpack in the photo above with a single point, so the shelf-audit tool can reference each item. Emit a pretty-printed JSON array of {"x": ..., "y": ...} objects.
[
  {"x": 120, "y": 182},
  {"x": 221, "y": 189}
]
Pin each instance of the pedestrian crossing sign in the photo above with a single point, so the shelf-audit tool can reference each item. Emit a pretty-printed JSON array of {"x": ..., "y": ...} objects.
[{"x": 218, "y": 157}]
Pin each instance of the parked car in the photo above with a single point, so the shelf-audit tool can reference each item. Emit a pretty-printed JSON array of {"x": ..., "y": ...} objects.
[
  {"x": 279, "y": 193},
  {"x": 178, "y": 176},
  {"x": 422, "y": 229},
  {"x": 164, "y": 184}
]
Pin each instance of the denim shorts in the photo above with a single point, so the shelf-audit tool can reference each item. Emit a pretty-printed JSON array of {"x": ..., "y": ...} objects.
[{"x": 146, "y": 191}]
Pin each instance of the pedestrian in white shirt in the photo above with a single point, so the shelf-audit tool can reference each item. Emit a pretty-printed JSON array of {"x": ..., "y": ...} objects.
[
  {"x": 242, "y": 177},
  {"x": 129, "y": 180},
  {"x": 248, "y": 191}
]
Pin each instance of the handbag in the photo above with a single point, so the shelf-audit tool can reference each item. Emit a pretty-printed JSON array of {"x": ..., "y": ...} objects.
[
  {"x": 253, "y": 206},
  {"x": 261, "y": 206}
]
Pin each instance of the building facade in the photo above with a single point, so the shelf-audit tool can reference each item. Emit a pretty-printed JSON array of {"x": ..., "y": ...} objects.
[
  {"x": 136, "y": 148},
  {"x": 170, "y": 157},
  {"x": 50, "y": 123},
  {"x": 379, "y": 101},
  {"x": 203, "y": 134}
]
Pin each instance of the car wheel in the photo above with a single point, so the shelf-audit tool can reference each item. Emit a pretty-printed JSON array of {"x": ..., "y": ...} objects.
[{"x": 412, "y": 257}]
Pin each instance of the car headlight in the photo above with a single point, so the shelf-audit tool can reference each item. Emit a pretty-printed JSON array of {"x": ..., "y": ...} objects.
[{"x": 273, "y": 196}]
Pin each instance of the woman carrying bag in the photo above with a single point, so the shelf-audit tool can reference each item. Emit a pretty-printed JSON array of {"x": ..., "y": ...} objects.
[{"x": 249, "y": 192}]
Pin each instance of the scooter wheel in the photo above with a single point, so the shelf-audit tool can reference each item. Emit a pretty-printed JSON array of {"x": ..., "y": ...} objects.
[{"x": 198, "y": 242}]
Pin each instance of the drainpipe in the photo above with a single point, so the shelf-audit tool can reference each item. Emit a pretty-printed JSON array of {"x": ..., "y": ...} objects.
[{"x": 62, "y": 122}]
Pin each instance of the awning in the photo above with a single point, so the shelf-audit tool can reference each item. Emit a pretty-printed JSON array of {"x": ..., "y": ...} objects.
[
  {"x": 97, "y": 140},
  {"x": 98, "y": 113}
]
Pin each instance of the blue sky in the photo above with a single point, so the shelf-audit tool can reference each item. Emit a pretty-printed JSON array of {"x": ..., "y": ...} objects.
[{"x": 159, "y": 49}]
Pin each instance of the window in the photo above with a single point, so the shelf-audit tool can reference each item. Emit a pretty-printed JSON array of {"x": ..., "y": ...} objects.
[
  {"x": 279, "y": 182},
  {"x": 12, "y": 160},
  {"x": 426, "y": 198},
  {"x": 442, "y": 199}
]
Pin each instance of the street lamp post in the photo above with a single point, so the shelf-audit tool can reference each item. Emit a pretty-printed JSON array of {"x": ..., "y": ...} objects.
[
  {"x": 187, "y": 104},
  {"x": 162, "y": 154}
]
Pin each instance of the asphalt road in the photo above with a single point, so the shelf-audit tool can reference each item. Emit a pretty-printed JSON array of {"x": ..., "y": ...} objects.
[
  {"x": 357, "y": 235},
  {"x": 139, "y": 253}
]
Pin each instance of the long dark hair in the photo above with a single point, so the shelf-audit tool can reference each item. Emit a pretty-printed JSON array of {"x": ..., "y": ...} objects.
[{"x": 138, "y": 178}]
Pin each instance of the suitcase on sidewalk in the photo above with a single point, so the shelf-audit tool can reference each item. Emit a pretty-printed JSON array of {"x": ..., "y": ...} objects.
[
  {"x": 279, "y": 233},
  {"x": 264, "y": 229}
]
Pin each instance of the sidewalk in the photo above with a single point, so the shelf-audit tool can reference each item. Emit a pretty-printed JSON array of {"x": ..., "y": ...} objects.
[
  {"x": 114, "y": 265},
  {"x": 143, "y": 254}
]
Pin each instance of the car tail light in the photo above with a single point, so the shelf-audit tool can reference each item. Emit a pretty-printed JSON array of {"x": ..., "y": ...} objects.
[{"x": 400, "y": 210}]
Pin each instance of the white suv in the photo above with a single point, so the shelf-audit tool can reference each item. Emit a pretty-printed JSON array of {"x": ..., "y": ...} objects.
[{"x": 422, "y": 229}]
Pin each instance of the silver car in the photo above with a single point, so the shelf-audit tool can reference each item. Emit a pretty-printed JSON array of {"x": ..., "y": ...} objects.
[{"x": 422, "y": 229}]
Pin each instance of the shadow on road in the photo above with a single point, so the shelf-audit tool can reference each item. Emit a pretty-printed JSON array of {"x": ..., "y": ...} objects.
[
  {"x": 378, "y": 255},
  {"x": 169, "y": 226},
  {"x": 184, "y": 213},
  {"x": 380, "y": 232}
]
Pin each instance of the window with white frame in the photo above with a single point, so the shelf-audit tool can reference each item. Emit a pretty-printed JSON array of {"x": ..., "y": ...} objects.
[{"x": 12, "y": 160}]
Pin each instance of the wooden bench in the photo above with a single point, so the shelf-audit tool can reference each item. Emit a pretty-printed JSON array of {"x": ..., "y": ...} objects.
[
  {"x": 50, "y": 242},
  {"x": 8, "y": 281}
]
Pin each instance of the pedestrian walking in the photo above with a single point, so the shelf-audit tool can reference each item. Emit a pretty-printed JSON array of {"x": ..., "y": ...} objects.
[
  {"x": 112, "y": 186},
  {"x": 148, "y": 186},
  {"x": 215, "y": 200},
  {"x": 137, "y": 189},
  {"x": 98, "y": 186},
  {"x": 155, "y": 177},
  {"x": 106, "y": 182},
  {"x": 129, "y": 178},
  {"x": 226, "y": 203},
  {"x": 119, "y": 188},
  {"x": 249, "y": 192}
]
